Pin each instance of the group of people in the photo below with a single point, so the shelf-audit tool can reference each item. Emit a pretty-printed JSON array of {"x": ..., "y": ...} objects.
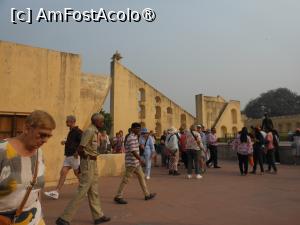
[
  {"x": 196, "y": 147},
  {"x": 22, "y": 169}
]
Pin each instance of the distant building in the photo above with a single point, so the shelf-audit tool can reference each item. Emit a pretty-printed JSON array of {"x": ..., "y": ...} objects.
[
  {"x": 283, "y": 124},
  {"x": 216, "y": 112}
]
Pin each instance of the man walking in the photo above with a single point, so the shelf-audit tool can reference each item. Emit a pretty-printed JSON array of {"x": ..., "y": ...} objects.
[
  {"x": 133, "y": 165},
  {"x": 88, "y": 178},
  {"x": 71, "y": 156}
]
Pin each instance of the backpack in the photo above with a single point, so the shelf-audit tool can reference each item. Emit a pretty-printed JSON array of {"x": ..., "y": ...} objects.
[{"x": 168, "y": 144}]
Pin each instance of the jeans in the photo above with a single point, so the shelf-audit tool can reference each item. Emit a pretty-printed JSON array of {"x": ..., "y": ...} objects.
[
  {"x": 193, "y": 159},
  {"x": 271, "y": 160},
  {"x": 213, "y": 155},
  {"x": 243, "y": 163},
  {"x": 258, "y": 158}
]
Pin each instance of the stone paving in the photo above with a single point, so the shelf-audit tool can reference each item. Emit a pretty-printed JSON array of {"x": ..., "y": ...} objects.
[{"x": 222, "y": 197}]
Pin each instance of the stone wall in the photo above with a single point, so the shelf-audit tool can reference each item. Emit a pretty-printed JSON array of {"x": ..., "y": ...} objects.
[
  {"x": 35, "y": 78},
  {"x": 134, "y": 100},
  {"x": 225, "y": 116}
]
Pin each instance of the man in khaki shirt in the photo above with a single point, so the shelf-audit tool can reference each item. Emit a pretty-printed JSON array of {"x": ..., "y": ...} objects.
[{"x": 88, "y": 178}]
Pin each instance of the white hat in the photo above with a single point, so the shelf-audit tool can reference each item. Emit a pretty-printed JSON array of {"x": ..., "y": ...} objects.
[{"x": 172, "y": 130}]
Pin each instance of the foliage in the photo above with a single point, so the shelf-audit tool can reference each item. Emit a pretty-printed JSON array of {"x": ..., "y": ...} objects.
[
  {"x": 277, "y": 102},
  {"x": 108, "y": 121}
]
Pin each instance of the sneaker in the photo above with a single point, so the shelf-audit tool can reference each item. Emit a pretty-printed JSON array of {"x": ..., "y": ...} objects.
[
  {"x": 147, "y": 178},
  {"x": 148, "y": 197},
  {"x": 52, "y": 194},
  {"x": 189, "y": 176},
  {"x": 102, "y": 219},
  {"x": 120, "y": 201},
  {"x": 61, "y": 221},
  {"x": 198, "y": 176}
]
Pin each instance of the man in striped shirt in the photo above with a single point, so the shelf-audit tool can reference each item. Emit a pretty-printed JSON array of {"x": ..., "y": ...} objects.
[{"x": 133, "y": 164}]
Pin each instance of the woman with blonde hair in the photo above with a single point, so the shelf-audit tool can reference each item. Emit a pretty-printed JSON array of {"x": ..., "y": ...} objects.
[{"x": 22, "y": 171}]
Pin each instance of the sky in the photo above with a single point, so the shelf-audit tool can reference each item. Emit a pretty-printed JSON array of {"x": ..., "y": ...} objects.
[{"x": 233, "y": 48}]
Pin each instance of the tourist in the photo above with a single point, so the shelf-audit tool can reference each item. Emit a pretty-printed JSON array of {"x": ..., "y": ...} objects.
[
  {"x": 146, "y": 143},
  {"x": 194, "y": 146},
  {"x": 71, "y": 160},
  {"x": 22, "y": 171},
  {"x": 213, "y": 147},
  {"x": 258, "y": 150},
  {"x": 270, "y": 150},
  {"x": 267, "y": 123},
  {"x": 104, "y": 143},
  {"x": 243, "y": 145},
  {"x": 156, "y": 148},
  {"x": 118, "y": 143},
  {"x": 203, "y": 156},
  {"x": 164, "y": 157},
  {"x": 182, "y": 146},
  {"x": 88, "y": 179},
  {"x": 133, "y": 164},
  {"x": 171, "y": 145}
]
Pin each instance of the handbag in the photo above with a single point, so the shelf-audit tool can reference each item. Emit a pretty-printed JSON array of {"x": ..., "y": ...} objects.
[{"x": 5, "y": 220}]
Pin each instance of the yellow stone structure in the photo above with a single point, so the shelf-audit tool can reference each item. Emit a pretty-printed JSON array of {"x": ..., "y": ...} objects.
[
  {"x": 216, "y": 112},
  {"x": 134, "y": 100},
  {"x": 36, "y": 78},
  {"x": 283, "y": 124}
]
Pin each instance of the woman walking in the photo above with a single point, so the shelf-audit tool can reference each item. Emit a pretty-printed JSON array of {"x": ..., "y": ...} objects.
[{"x": 146, "y": 143}]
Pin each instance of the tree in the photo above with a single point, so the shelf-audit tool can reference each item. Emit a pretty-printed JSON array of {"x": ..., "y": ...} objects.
[
  {"x": 277, "y": 102},
  {"x": 108, "y": 121}
]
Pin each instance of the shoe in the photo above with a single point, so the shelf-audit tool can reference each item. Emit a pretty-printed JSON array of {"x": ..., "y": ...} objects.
[
  {"x": 176, "y": 173},
  {"x": 120, "y": 201},
  {"x": 102, "y": 219},
  {"x": 61, "y": 221},
  {"x": 198, "y": 176},
  {"x": 152, "y": 195},
  {"x": 171, "y": 172},
  {"x": 217, "y": 167},
  {"x": 52, "y": 194},
  {"x": 147, "y": 178},
  {"x": 189, "y": 176}
]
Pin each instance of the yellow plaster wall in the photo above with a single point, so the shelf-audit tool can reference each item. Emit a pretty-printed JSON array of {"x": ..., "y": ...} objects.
[
  {"x": 215, "y": 111},
  {"x": 283, "y": 124},
  {"x": 35, "y": 78},
  {"x": 125, "y": 104}
]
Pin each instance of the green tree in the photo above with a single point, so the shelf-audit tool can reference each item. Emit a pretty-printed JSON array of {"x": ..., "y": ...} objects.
[
  {"x": 277, "y": 102},
  {"x": 108, "y": 121}
]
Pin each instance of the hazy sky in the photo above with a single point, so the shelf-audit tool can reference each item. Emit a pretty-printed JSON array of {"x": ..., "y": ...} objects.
[{"x": 233, "y": 48}]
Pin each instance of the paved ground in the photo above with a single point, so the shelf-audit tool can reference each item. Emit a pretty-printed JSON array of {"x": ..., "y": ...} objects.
[{"x": 222, "y": 197}]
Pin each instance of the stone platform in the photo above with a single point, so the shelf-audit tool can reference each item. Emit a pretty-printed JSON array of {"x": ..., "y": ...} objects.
[{"x": 222, "y": 197}]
